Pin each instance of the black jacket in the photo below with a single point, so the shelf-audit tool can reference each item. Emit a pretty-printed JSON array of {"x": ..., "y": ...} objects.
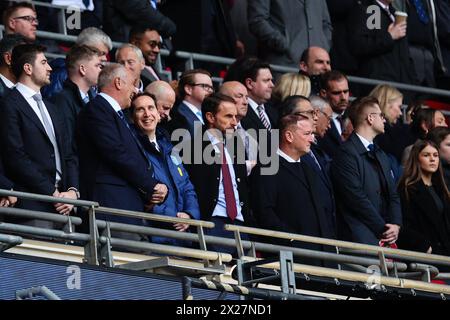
[
  {"x": 28, "y": 154},
  {"x": 380, "y": 56},
  {"x": 120, "y": 16},
  {"x": 424, "y": 222}
]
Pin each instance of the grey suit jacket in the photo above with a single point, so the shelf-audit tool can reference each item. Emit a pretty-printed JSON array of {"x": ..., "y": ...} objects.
[{"x": 284, "y": 29}]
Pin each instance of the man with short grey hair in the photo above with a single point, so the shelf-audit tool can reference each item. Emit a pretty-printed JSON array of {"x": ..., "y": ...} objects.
[
  {"x": 114, "y": 169},
  {"x": 165, "y": 99},
  {"x": 131, "y": 57}
]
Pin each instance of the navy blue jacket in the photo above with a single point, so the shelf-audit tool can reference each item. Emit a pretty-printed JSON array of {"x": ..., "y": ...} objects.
[
  {"x": 114, "y": 169},
  {"x": 28, "y": 154},
  {"x": 169, "y": 170},
  {"x": 358, "y": 192}
]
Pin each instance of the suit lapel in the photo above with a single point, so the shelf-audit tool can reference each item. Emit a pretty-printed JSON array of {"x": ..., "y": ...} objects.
[
  {"x": 254, "y": 118},
  {"x": 294, "y": 170},
  {"x": 334, "y": 133},
  {"x": 28, "y": 111}
]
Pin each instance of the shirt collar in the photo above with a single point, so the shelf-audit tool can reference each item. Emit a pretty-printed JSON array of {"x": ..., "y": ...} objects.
[
  {"x": 286, "y": 157},
  {"x": 26, "y": 91},
  {"x": 113, "y": 103},
  {"x": 6, "y": 81},
  {"x": 364, "y": 141},
  {"x": 194, "y": 109},
  {"x": 253, "y": 105}
]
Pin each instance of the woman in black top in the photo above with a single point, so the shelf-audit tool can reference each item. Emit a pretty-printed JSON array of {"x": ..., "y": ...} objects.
[
  {"x": 441, "y": 137},
  {"x": 425, "y": 202}
]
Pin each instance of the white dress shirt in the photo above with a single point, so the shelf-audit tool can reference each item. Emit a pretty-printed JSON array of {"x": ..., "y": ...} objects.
[
  {"x": 28, "y": 94},
  {"x": 194, "y": 110},
  {"x": 254, "y": 106},
  {"x": 365, "y": 142},
  {"x": 112, "y": 102},
  {"x": 6, "y": 81},
  {"x": 286, "y": 157},
  {"x": 220, "y": 210}
]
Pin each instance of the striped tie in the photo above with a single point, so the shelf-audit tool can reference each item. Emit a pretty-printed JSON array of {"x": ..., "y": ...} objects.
[{"x": 263, "y": 118}]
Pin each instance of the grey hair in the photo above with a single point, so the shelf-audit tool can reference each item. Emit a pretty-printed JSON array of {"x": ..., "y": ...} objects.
[
  {"x": 318, "y": 102},
  {"x": 135, "y": 49},
  {"x": 92, "y": 36},
  {"x": 110, "y": 72}
]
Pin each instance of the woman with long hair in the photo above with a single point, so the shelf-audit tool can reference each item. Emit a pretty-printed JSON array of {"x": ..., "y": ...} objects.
[
  {"x": 441, "y": 137},
  {"x": 425, "y": 201}
]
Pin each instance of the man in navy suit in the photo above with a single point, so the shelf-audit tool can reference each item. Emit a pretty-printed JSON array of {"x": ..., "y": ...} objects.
[
  {"x": 335, "y": 90},
  {"x": 366, "y": 197},
  {"x": 114, "y": 169},
  {"x": 36, "y": 150},
  {"x": 194, "y": 86}
]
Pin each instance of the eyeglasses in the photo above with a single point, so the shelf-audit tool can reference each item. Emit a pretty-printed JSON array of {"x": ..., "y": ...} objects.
[
  {"x": 153, "y": 44},
  {"x": 205, "y": 86},
  {"x": 381, "y": 114},
  {"x": 329, "y": 118},
  {"x": 309, "y": 113},
  {"x": 30, "y": 19}
]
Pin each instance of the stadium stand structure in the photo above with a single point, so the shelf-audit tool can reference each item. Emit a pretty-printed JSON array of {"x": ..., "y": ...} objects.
[{"x": 36, "y": 262}]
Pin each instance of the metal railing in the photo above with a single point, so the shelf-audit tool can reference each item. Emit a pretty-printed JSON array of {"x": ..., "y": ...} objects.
[{"x": 99, "y": 242}]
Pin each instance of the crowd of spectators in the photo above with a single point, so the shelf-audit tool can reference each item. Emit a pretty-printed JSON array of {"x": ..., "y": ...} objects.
[{"x": 292, "y": 152}]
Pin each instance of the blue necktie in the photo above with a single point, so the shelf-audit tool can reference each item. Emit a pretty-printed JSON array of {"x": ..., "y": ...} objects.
[
  {"x": 371, "y": 148},
  {"x": 86, "y": 3},
  {"x": 423, "y": 15}
]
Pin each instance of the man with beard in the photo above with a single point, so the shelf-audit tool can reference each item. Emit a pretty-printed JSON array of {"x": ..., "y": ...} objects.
[
  {"x": 36, "y": 151},
  {"x": 20, "y": 18},
  {"x": 221, "y": 187},
  {"x": 335, "y": 90}
]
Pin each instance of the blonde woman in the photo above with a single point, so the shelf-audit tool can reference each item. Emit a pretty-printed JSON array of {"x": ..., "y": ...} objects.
[
  {"x": 397, "y": 135},
  {"x": 291, "y": 84}
]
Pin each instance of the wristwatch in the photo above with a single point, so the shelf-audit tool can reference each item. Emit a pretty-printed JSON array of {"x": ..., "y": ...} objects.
[{"x": 75, "y": 190}]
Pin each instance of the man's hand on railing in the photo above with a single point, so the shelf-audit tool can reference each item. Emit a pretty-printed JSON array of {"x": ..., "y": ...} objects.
[
  {"x": 391, "y": 233},
  {"x": 159, "y": 194},
  {"x": 182, "y": 226},
  {"x": 8, "y": 201},
  {"x": 64, "y": 208}
]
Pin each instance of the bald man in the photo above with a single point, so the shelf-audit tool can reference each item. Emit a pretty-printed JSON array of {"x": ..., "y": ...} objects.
[
  {"x": 314, "y": 62},
  {"x": 238, "y": 92},
  {"x": 165, "y": 98}
]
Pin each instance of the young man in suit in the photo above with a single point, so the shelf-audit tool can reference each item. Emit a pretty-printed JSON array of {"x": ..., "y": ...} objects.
[
  {"x": 36, "y": 150},
  {"x": 367, "y": 201},
  {"x": 193, "y": 87},
  {"x": 83, "y": 67},
  {"x": 221, "y": 186},
  {"x": 114, "y": 169}
]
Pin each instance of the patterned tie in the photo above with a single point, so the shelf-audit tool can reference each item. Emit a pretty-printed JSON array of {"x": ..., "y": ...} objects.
[
  {"x": 263, "y": 118},
  {"x": 49, "y": 131},
  {"x": 423, "y": 15},
  {"x": 230, "y": 200},
  {"x": 86, "y": 99}
]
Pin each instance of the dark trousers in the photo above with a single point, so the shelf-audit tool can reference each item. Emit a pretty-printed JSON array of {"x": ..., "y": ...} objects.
[{"x": 219, "y": 231}]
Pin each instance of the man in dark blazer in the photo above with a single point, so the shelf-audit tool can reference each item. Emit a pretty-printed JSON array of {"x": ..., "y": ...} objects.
[
  {"x": 35, "y": 147},
  {"x": 83, "y": 67},
  {"x": 193, "y": 87},
  {"x": 381, "y": 49},
  {"x": 290, "y": 201},
  {"x": 7, "y": 77},
  {"x": 368, "y": 204},
  {"x": 114, "y": 169},
  {"x": 221, "y": 186},
  {"x": 7, "y": 184},
  {"x": 336, "y": 91}
]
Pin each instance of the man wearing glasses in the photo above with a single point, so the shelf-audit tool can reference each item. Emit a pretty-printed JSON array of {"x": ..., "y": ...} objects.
[
  {"x": 193, "y": 87},
  {"x": 150, "y": 43},
  {"x": 21, "y": 18},
  {"x": 368, "y": 205}
]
